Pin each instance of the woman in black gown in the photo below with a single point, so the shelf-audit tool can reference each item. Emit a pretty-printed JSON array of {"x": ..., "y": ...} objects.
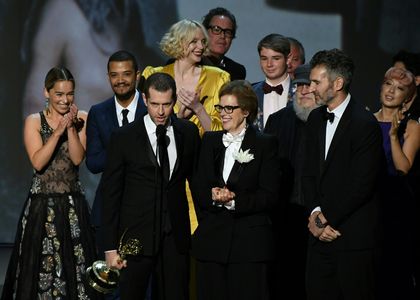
[{"x": 54, "y": 241}]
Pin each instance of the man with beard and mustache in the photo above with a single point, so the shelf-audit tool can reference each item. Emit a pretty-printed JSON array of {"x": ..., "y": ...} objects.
[
  {"x": 341, "y": 176},
  {"x": 124, "y": 107},
  {"x": 288, "y": 125}
]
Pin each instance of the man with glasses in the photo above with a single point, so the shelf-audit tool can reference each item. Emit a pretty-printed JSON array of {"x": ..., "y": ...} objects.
[{"x": 221, "y": 27}]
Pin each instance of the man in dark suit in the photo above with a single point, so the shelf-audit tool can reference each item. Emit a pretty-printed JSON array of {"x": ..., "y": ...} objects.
[
  {"x": 275, "y": 92},
  {"x": 103, "y": 118},
  {"x": 221, "y": 28},
  {"x": 144, "y": 195},
  {"x": 289, "y": 125},
  {"x": 342, "y": 168}
]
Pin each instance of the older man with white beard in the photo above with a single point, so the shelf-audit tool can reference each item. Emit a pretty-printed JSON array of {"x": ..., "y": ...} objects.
[{"x": 288, "y": 125}]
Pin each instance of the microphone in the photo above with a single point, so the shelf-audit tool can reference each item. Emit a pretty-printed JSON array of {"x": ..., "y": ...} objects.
[
  {"x": 160, "y": 130},
  {"x": 162, "y": 138}
]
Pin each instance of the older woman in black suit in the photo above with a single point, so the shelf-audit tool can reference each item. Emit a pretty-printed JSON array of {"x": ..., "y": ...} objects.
[{"x": 236, "y": 186}]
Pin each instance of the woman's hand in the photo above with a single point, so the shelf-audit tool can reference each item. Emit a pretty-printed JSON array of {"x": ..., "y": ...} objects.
[
  {"x": 395, "y": 123},
  {"x": 191, "y": 100},
  {"x": 222, "y": 195},
  {"x": 184, "y": 112},
  {"x": 63, "y": 124}
]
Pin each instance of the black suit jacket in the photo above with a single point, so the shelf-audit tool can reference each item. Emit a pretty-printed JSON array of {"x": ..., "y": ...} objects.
[
  {"x": 235, "y": 70},
  {"x": 131, "y": 187},
  {"x": 101, "y": 122},
  {"x": 245, "y": 234},
  {"x": 290, "y": 132},
  {"x": 345, "y": 184}
]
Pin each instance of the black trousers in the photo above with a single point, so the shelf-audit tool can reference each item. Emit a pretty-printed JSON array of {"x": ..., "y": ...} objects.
[
  {"x": 245, "y": 281},
  {"x": 346, "y": 275},
  {"x": 169, "y": 270}
]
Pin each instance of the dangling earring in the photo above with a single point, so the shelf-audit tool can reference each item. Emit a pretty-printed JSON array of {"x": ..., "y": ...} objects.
[{"x": 47, "y": 105}]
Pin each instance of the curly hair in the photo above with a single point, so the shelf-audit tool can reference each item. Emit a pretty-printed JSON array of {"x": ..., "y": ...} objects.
[
  {"x": 175, "y": 41},
  {"x": 337, "y": 63}
]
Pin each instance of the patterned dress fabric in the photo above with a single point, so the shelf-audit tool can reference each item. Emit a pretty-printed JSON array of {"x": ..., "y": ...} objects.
[{"x": 54, "y": 241}]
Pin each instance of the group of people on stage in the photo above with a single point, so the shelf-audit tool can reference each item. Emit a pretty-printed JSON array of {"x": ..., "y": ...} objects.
[{"x": 288, "y": 186}]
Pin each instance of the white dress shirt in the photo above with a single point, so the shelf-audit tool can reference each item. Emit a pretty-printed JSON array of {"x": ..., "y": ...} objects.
[
  {"x": 131, "y": 109},
  {"x": 229, "y": 161},
  {"x": 151, "y": 132},
  {"x": 273, "y": 102},
  {"x": 330, "y": 130},
  {"x": 332, "y": 127}
]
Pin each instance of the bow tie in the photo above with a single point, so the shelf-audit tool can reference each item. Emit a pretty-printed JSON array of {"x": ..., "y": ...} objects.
[
  {"x": 329, "y": 116},
  {"x": 228, "y": 138},
  {"x": 267, "y": 89}
]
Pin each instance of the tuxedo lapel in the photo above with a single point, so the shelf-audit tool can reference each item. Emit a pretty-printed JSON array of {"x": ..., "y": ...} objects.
[
  {"x": 219, "y": 161},
  {"x": 339, "y": 133},
  {"x": 110, "y": 115},
  {"x": 179, "y": 142},
  {"x": 144, "y": 140},
  {"x": 247, "y": 144},
  {"x": 321, "y": 140}
]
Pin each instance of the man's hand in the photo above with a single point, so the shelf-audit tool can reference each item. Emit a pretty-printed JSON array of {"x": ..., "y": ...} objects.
[
  {"x": 315, "y": 230},
  {"x": 329, "y": 234},
  {"x": 114, "y": 261}
]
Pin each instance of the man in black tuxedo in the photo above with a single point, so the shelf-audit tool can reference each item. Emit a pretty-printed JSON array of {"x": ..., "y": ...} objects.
[
  {"x": 144, "y": 195},
  {"x": 289, "y": 125},
  {"x": 221, "y": 28},
  {"x": 342, "y": 168}
]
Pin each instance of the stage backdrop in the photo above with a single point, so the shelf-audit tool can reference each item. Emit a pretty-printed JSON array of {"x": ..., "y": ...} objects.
[{"x": 81, "y": 34}]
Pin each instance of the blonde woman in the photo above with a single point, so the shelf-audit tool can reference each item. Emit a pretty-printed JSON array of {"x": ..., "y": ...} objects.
[{"x": 197, "y": 85}]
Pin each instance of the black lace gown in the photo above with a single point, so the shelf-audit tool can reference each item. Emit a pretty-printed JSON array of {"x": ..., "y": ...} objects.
[{"x": 54, "y": 242}]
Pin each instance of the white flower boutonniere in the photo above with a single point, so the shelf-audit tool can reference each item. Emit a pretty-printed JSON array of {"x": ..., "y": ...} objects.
[{"x": 244, "y": 156}]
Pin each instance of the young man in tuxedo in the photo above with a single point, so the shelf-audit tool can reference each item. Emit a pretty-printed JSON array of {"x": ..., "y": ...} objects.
[
  {"x": 341, "y": 173},
  {"x": 143, "y": 188},
  {"x": 275, "y": 92}
]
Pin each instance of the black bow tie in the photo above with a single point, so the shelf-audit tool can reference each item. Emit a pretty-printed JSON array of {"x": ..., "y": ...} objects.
[
  {"x": 268, "y": 88},
  {"x": 329, "y": 116}
]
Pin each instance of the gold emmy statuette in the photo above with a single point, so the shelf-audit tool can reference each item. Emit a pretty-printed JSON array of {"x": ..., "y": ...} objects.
[{"x": 104, "y": 279}]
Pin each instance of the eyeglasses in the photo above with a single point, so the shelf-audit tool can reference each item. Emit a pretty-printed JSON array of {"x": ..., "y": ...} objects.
[
  {"x": 228, "y": 108},
  {"x": 218, "y": 30}
]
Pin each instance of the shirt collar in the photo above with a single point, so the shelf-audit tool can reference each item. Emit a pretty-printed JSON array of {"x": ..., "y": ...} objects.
[
  {"x": 131, "y": 107},
  {"x": 339, "y": 110},
  {"x": 286, "y": 80}
]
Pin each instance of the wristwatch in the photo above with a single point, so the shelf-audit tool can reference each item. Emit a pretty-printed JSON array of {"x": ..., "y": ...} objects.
[{"x": 318, "y": 222}]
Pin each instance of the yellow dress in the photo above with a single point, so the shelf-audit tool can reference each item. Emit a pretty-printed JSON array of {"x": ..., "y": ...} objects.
[{"x": 210, "y": 81}]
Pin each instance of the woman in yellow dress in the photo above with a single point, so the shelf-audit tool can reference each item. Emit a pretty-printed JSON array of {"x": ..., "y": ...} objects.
[{"x": 197, "y": 85}]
